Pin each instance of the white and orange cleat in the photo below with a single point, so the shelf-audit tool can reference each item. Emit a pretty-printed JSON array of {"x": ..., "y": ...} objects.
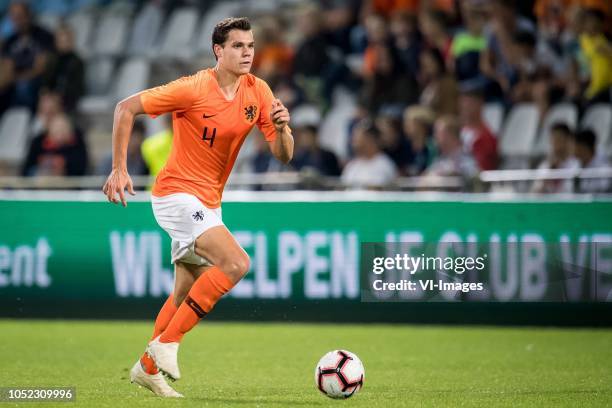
[
  {"x": 165, "y": 356},
  {"x": 154, "y": 382}
]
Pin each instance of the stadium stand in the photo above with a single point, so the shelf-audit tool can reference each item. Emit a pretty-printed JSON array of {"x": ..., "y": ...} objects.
[
  {"x": 128, "y": 46},
  {"x": 14, "y": 127},
  {"x": 598, "y": 118},
  {"x": 562, "y": 112}
]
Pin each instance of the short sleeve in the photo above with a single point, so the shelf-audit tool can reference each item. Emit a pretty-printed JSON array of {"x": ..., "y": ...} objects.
[
  {"x": 264, "y": 123},
  {"x": 178, "y": 95}
]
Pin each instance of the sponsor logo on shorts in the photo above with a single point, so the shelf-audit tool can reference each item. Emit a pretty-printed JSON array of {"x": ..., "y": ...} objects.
[{"x": 198, "y": 215}]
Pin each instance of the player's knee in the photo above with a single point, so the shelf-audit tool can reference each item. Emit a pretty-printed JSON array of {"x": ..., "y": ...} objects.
[{"x": 236, "y": 267}]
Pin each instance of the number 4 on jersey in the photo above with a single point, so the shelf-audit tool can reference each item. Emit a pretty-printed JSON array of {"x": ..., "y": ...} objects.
[{"x": 212, "y": 136}]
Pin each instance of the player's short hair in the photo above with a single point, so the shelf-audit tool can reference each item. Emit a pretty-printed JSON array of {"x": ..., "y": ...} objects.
[
  {"x": 586, "y": 138},
  {"x": 223, "y": 27}
]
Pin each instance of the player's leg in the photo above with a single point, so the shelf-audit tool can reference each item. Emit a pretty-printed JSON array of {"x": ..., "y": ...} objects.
[
  {"x": 184, "y": 276},
  {"x": 145, "y": 372},
  {"x": 230, "y": 264}
]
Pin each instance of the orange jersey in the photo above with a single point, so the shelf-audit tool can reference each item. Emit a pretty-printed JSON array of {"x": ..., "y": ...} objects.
[{"x": 208, "y": 131}]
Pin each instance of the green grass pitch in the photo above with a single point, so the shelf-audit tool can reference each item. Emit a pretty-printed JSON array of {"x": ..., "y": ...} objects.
[{"x": 245, "y": 365}]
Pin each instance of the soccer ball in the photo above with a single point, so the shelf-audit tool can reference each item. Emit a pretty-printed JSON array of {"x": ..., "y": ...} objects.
[{"x": 339, "y": 374}]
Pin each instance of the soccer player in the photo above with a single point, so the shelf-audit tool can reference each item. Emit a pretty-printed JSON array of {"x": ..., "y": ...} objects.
[{"x": 212, "y": 113}]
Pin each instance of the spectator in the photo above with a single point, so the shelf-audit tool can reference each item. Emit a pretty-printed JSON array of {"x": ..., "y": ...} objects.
[
  {"x": 339, "y": 19},
  {"x": 262, "y": 160},
  {"x": 311, "y": 57},
  {"x": 66, "y": 72},
  {"x": 388, "y": 8},
  {"x": 314, "y": 70},
  {"x": 452, "y": 160},
  {"x": 559, "y": 157},
  {"x": 289, "y": 93},
  {"x": 387, "y": 86},
  {"x": 135, "y": 162},
  {"x": 274, "y": 57},
  {"x": 24, "y": 59},
  {"x": 576, "y": 68},
  {"x": 440, "y": 92},
  {"x": 310, "y": 155},
  {"x": 551, "y": 26},
  {"x": 49, "y": 106},
  {"x": 156, "y": 148},
  {"x": 534, "y": 73},
  {"x": 370, "y": 168},
  {"x": 60, "y": 151},
  {"x": 392, "y": 141},
  {"x": 496, "y": 60},
  {"x": 468, "y": 44},
  {"x": 584, "y": 149},
  {"x": 435, "y": 31},
  {"x": 475, "y": 134},
  {"x": 598, "y": 52},
  {"x": 377, "y": 36},
  {"x": 407, "y": 41},
  {"x": 417, "y": 125}
]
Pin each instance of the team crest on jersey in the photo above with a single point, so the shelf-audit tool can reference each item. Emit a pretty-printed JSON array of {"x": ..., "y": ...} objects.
[
  {"x": 250, "y": 112},
  {"x": 198, "y": 215}
]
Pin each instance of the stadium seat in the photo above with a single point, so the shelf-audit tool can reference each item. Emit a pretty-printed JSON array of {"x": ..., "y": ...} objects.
[
  {"x": 133, "y": 76},
  {"x": 262, "y": 7},
  {"x": 493, "y": 115},
  {"x": 519, "y": 131},
  {"x": 179, "y": 33},
  {"x": 145, "y": 30},
  {"x": 111, "y": 34},
  {"x": 561, "y": 113},
  {"x": 49, "y": 21},
  {"x": 82, "y": 25},
  {"x": 98, "y": 75},
  {"x": 598, "y": 118},
  {"x": 14, "y": 127},
  {"x": 333, "y": 133},
  {"x": 218, "y": 12},
  {"x": 305, "y": 115}
]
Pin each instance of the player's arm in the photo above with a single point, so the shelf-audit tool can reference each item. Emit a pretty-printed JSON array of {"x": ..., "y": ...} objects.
[
  {"x": 119, "y": 179},
  {"x": 282, "y": 145}
]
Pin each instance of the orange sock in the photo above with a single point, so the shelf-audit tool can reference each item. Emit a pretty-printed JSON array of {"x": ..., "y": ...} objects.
[
  {"x": 202, "y": 297},
  {"x": 161, "y": 322},
  {"x": 164, "y": 316}
]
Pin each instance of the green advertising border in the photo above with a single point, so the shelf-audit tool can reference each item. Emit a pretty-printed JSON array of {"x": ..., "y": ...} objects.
[{"x": 81, "y": 230}]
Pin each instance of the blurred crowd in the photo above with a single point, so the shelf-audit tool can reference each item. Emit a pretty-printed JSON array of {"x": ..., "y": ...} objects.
[{"x": 420, "y": 70}]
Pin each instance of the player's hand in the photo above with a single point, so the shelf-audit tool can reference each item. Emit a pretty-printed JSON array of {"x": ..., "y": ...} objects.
[
  {"x": 279, "y": 115},
  {"x": 116, "y": 183}
]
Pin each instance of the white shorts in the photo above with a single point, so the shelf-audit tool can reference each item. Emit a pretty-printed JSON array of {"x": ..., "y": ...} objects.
[{"x": 185, "y": 218}]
